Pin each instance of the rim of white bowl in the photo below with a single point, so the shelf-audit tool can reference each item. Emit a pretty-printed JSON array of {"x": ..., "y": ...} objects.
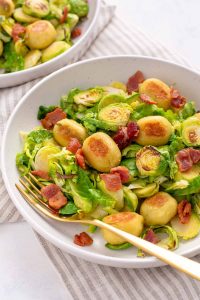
[
  {"x": 147, "y": 262},
  {"x": 57, "y": 58}
]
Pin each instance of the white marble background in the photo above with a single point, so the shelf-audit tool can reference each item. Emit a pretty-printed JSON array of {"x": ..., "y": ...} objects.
[{"x": 25, "y": 271}]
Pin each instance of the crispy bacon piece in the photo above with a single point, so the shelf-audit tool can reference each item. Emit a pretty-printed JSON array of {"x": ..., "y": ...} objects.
[
  {"x": 151, "y": 237},
  {"x": 177, "y": 101},
  {"x": 57, "y": 201},
  {"x": 64, "y": 15},
  {"x": 126, "y": 135},
  {"x": 186, "y": 158},
  {"x": 74, "y": 145},
  {"x": 76, "y": 32},
  {"x": 132, "y": 130},
  {"x": 17, "y": 31},
  {"x": 184, "y": 211},
  {"x": 80, "y": 159},
  {"x": 134, "y": 81},
  {"x": 52, "y": 118},
  {"x": 123, "y": 173},
  {"x": 54, "y": 196},
  {"x": 83, "y": 239},
  {"x": 195, "y": 155},
  {"x": 112, "y": 181},
  {"x": 146, "y": 99},
  {"x": 42, "y": 174}
]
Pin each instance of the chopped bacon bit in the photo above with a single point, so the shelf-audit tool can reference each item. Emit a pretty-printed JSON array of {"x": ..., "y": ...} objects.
[
  {"x": 177, "y": 101},
  {"x": 64, "y": 15},
  {"x": 74, "y": 145},
  {"x": 195, "y": 155},
  {"x": 186, "y": 158},
  {"x": 123, "y": 173},
  {"x": 184, "y": 211},
  {"x": 54, "y": 196},
  {"x": 17, "y": 31},
  {"x": 50, "y": 190},
  {"x": 151, "y": 237},
  {"x": 52, "y": 118},
  {"x": 76, "y": 32},
  {"x": 126, "y": 135},
  {"x": 147, "y": 99},
  {"x": 121, "y": 138},
  {"x": 183, "y": 160},
  {"x": 132, "y": 130},
  {"x": 42, "y": 174},
  {"x": 80, "y": 160},
  {"x": 63, "y": 176},
  {"x": 112, "y": 181},
  {"x": 57, "y": 201},
  {"x": 83, "y": 239},
  {"x": 134, "y": 81}
]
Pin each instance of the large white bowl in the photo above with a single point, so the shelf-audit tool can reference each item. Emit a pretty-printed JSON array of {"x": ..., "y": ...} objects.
[
  {"x": 86, "y": 74},
  {"x": 68, "y": 57}
]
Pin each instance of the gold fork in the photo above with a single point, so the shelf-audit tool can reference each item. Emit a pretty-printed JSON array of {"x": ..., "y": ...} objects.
[{"x": 31, "y": 193}]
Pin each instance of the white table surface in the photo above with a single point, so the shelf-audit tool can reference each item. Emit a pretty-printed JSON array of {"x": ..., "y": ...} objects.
[{"x": 26, "y": 272}]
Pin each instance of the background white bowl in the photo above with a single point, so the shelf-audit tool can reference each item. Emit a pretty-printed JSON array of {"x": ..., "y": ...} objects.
[
  {"x": 86, "y": 74},
  {"x": 68, "y": 57}
]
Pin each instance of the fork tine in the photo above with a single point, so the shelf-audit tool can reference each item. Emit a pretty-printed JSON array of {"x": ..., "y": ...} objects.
[
  {"x": 31, "y": 184},
  {"x": 36, "y": 205},
  {"x": 36, "y": 181},
  {"x": 39, "y": 199},
  {"x": 30, "y": 191}
]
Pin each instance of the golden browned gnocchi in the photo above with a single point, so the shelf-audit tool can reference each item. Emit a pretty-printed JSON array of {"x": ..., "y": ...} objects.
[
  {"x": 101, "y": 152},
  {"x": 158, "y": 209},
  {"x": 157, "y": 90},
  {"x": 130, "y": 222},
  {"x": 66, "y": 129},
  {"x": 154, "y": 130},
  {"x": 40, "y": 34}
]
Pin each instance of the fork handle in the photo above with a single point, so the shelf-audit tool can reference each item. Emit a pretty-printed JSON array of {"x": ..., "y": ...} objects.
[{"x": 179, "y": 262}]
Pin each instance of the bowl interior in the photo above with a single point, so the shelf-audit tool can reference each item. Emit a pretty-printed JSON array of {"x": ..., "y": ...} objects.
[{"x": 48, "y": 91}]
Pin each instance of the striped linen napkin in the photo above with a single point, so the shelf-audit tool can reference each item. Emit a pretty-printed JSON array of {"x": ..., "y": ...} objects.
[{"x": 86, "y": 280}]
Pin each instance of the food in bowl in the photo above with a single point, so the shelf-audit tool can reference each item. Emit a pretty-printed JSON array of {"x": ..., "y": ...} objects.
[
  {"x": 35, "y": 31},
  {"x": 124, "y": 153}
]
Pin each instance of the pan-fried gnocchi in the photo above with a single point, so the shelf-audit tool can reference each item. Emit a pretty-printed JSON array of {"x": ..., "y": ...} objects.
[{"x": 127, "y": 154}]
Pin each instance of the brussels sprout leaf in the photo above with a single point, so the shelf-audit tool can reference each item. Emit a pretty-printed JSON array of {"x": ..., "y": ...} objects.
[
  {"x": 13, "y": 61},
  {"x": 69, "y": 209},
  {"x": 43, "y": 110}
]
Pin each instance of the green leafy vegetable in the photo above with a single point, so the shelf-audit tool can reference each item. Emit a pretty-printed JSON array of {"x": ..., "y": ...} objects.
[
  {"x": 130, "y": 163},
  {"x": 187, "y": 111},
  {"x": 69, "y": 209},
  {"x": 192, "y": 188},
  {"x": 86, "y": 196},
  {"x": 13, "y": 61},
  {"x": 39, "y": 136},
  {"x": 131, "y": 151},
  {"x": 170, "y": 242},
  {"x": 79, "y": 7},
  {"x": 118, "y": 247},
  {"x": 22, "y": 162},
  {"x": 68, "y": 105},
  {"x": 144, "y": 110},
  {"x": 43, "y": 110}
]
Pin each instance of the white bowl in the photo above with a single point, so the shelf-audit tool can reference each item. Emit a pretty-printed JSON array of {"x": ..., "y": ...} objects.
[
  {"x": 68, "y": 57},
  {"x": 85, "y": 74}
]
